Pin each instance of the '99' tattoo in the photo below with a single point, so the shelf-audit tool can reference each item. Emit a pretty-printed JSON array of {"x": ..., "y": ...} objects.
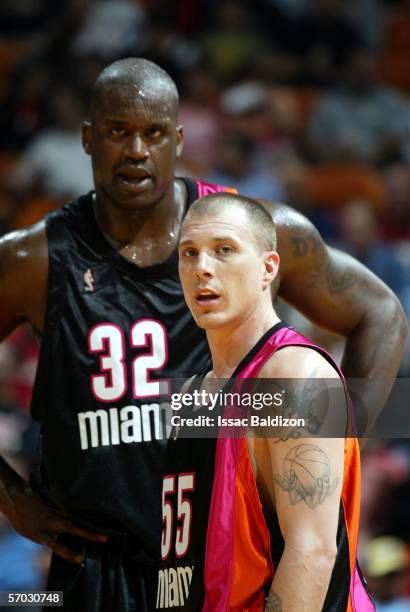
[{"x": 306, "y": 475}]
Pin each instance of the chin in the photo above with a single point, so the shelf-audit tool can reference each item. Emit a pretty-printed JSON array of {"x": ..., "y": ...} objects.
[
  {"x": 135, "y": 201},
  {"x": 138, "y": 203},
  {"x": 209, "y": 321}
]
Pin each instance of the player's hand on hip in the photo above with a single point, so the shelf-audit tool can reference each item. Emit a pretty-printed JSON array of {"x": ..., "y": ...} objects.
[{"x": 43, "y": 523}]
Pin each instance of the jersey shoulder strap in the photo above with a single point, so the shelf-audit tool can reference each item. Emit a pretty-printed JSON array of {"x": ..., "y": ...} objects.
[{"x": 198, "y": 189}]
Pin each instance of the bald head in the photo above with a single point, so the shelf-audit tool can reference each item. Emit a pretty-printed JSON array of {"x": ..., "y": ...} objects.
[
  {"x": 261, "y": 226},
  {"x": 137, "y": 78}
]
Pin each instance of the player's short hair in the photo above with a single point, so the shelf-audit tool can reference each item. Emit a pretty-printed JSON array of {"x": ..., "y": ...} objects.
[{"x": 261, "y": 225}]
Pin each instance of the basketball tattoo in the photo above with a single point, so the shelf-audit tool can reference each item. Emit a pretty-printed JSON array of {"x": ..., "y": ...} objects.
[{"x": 306, "y": 475}]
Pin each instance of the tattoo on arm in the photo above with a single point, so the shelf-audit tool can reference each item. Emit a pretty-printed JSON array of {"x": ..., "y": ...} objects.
[
  {"x": 309, "y": 403},
  {"x": 306, "y": 475},
  {"x": 303, "y": 242},
  {"x": 337, "y": 280},
  {"x": 273, "y": 603}
]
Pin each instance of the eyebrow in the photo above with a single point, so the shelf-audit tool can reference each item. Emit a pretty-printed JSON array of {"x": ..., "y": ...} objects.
[
  {"x": 150, "y": 124},
  {"x": 114, "y": 120},
  {"x": 216, "y": 239}
]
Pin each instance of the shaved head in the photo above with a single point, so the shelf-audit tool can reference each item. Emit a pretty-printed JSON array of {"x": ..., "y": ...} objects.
[
  {"x": 133, "y": 136},
  {"x": 138, "y": 78},
  {"x": 261, "y": 225}
]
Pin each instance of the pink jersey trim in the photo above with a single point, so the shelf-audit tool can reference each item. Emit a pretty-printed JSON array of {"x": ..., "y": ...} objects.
[
  {"x": 205, "y": 189},
  {"x": 361, "y": 601},
  {"x": 218, "y": 565}
]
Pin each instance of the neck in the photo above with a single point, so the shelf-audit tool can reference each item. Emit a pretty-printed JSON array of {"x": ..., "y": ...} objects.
[
  {"x": 230, "y": 344},
  {"x": 146, "y": 236}
]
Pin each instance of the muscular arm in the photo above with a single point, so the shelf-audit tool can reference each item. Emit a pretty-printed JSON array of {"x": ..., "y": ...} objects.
[
  {"x": 23, "y": 290},
  {"x": 23, "y": 278},
  {"x": 305, "y": 477},
  {"x": 336, "y": 292}
]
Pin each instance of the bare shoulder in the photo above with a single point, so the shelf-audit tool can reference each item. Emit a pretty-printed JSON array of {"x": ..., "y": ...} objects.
[
  {"x": 25, "y": 244},
  {"x": 297, "y": 237},
  {"x": 298, "y": 362},
  {"x": 23, "y": 277},
  {"x": 283, "y": 215}
]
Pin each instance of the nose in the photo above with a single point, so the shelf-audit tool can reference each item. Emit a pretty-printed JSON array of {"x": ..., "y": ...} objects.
[
  {"x": 204, "y": 268},
  {"x": 136, "y": 148}
]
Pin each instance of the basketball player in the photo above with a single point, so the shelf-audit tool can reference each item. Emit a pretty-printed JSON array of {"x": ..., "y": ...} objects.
[
  {"x": 98, "y": 280},
  {"x": 275, "y": 516}
]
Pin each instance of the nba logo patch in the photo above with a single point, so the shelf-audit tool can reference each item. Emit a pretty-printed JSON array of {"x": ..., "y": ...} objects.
[{"x": 89, "y": 282}]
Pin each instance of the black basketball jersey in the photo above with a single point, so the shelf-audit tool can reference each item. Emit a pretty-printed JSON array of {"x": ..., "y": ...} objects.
[{"x": 112, "y": 332}]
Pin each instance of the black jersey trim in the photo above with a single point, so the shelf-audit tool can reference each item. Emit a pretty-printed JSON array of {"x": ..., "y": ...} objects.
[
  {"x": 192, "y": 189},
  {"x": 256, "y": 348}
]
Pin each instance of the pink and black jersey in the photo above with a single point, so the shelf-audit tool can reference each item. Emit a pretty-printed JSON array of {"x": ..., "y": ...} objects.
[{"x": 219, "y": 549}]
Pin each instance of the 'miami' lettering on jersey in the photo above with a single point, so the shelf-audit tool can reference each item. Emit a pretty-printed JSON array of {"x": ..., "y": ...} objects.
[
  {"x": 128, "y": 424},
  {"x": 173, "y": 586}
]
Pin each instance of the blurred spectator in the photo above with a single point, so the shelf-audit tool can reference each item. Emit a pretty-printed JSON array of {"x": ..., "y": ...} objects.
[
  {"x": 22, "y": 112},
  {"x": 233, "y": 167},
  {"x": 234, "y": 44},
  {"x": 55, "y": 161},
  {"x": 200, "y": 118},
  {"x": 111, "y": 29},
  {"x": 18, "y": 432},
  {"x": 369, "y": 16},
  {"x": 384, "y": 467},
  {"x": 332, "y": 184},
  {"x": 360, "y": 236},
  {"x": 251, "y": 110},
  {"x": 395, "y": 55},
  {"x": 18, "y": 359},
  {"x": 294, "y": 176},
  {"x": 83, "y": 73},
  {"x": 396, "y": 224},
  {"x": 323, "y": 38},
  {"x": 25, "y": 17},
  {"x": 386, "y": 567},
  {"x": 317, "y": 35},
  {"x": 362, "y": 120}
]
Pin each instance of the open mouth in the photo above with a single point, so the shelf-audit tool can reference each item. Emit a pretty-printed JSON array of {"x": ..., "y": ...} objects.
[
  {"x": 134, "y": 177},
  {"x": 206, "y": 297}
]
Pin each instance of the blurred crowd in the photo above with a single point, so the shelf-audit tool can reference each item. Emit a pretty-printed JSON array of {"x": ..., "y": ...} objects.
[{"x": 302, "y": 101}]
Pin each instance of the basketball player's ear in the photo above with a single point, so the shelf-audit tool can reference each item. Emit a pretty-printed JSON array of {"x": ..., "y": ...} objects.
[
  {"x": 85, "y": 132},
  {"x": 180, "y": 140},
  {"x": 271, "y": 267}
]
